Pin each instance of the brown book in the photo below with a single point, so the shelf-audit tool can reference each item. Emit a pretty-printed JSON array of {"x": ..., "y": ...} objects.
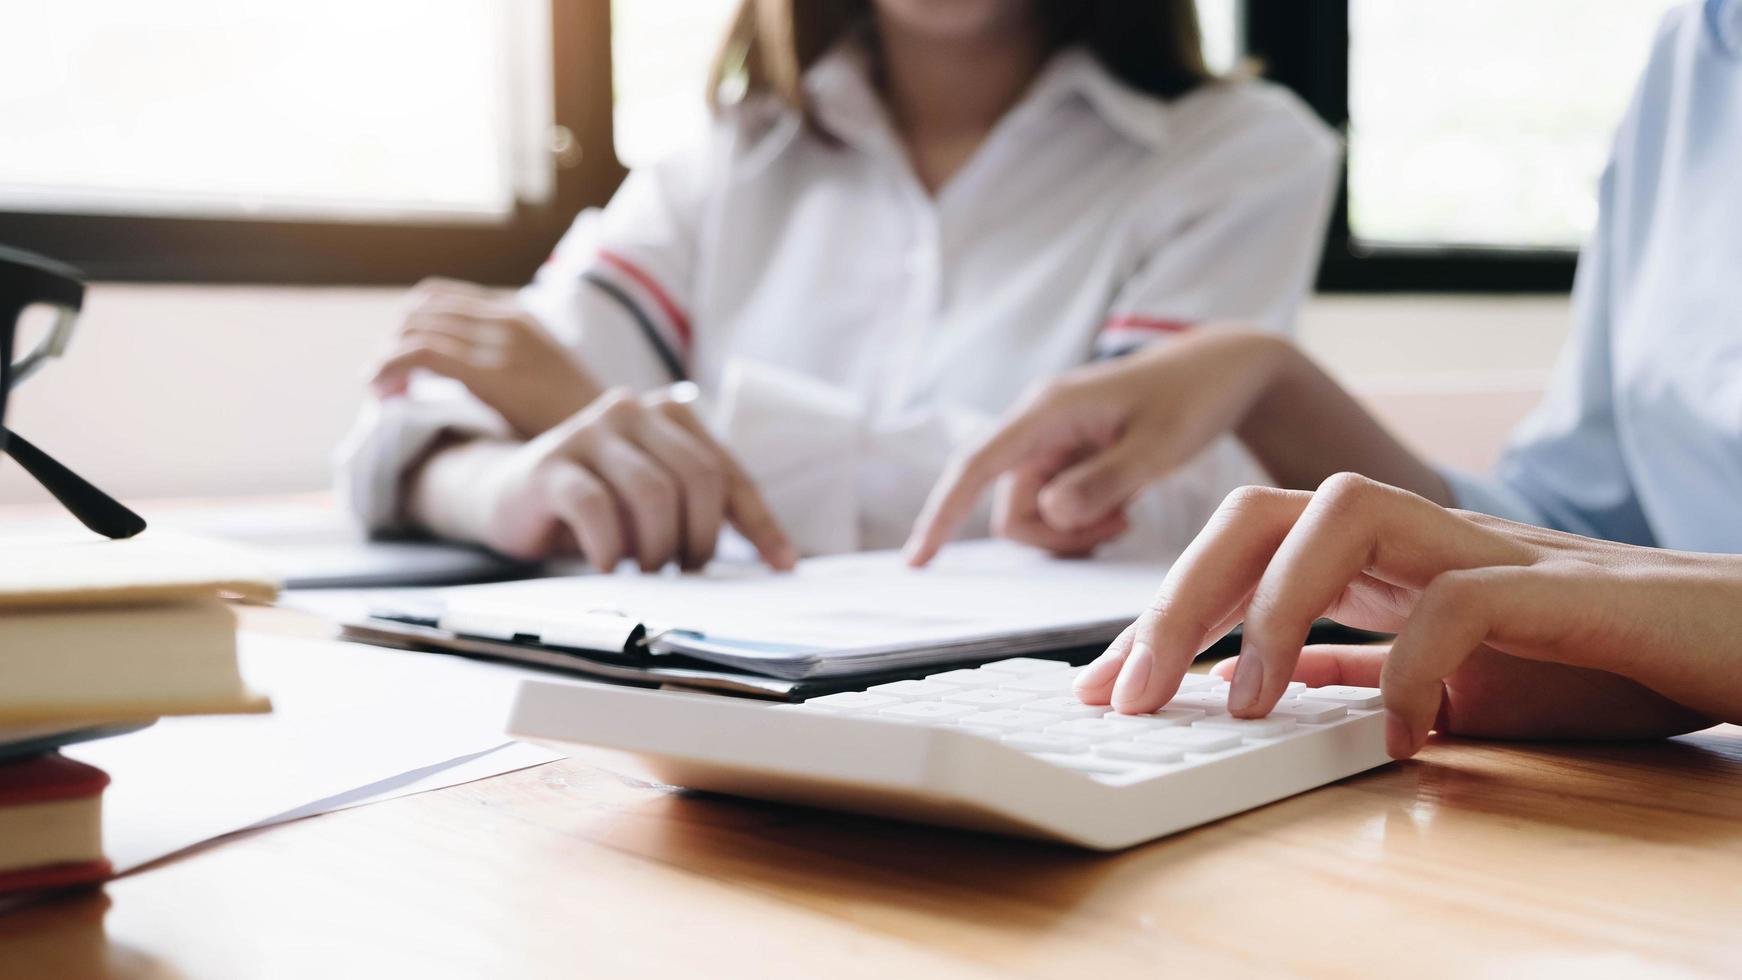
[{"x": 96, "y": 632}]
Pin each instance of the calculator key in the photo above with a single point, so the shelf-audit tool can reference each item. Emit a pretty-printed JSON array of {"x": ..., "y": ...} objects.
[
  {"x": 1140, "y": 752},
  {"x": 1270, "y": 727},
  {"x": 1026, "y": 666},
  {"x": 964, "y": 678},
  {"x": 912, "y": 690},
  {"x": 1057, "y": 682},
  {"x": 927, "y": 711},
  {"x": 1169, "y": 717},
  {"x": 851, "y": 701},
  {"x": 1067, "y": 707},
  {"x": 1156, "y": 720},
  {"x": 990, "y": 697},
  {"x": 1210, "y": 702},
  {"x": 1046, "y": 742},
  {"x": 1348, "y": 697},
  {"x": 900, "y": 719},
  {"x": 1309, "y": 712},
  {"x": 1098, "y": 728},
  {"x": 1193, "y": 739},
  {"x": 1009, "y": 720}
]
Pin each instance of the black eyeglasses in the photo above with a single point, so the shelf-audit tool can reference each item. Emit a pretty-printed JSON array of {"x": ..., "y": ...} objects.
[{"x": 28, "y": 280}]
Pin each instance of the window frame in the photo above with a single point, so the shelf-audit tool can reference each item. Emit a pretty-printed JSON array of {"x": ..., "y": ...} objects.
[
  {"x": 1305, "y": 46},
  {"x": 137, "y": 248}
]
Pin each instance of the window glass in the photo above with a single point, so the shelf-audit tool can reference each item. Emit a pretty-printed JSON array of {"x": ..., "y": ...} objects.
[
  {"x": 1219, "y": 20},
  {"x": 417, "y": 109},
  {"x": 1487, "y": 122},
  {"x": 660, "y": 55},
  {"x": 661, "y": 51}
]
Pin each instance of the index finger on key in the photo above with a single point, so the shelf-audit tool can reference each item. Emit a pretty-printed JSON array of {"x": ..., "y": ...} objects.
[{"x": 1204, "y": 594}]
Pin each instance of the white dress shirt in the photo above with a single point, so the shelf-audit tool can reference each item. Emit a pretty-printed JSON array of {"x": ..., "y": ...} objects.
[
  {"x": 851, "y": 331},
  {"x": 1640, "y": 436}
]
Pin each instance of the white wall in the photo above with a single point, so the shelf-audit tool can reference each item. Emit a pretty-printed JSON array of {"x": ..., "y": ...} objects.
[
  {"x": 1376, "y": 341},
  {"x": 188, "y": 391},
  {"x": 206, "y": 390},
  {"x": 1450, "y": 376}
]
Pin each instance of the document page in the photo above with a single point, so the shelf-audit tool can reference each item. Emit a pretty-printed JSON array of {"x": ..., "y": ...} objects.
[
  {"x": 349, "y": 724},
  {"x": 868, "y": 602}
]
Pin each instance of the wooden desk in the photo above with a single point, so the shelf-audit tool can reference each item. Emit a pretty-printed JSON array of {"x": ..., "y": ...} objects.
[{"x": 1478, "y": 859}]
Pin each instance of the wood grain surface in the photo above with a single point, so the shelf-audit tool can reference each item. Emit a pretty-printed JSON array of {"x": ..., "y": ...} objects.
[{"x": 1476, "y": 859}]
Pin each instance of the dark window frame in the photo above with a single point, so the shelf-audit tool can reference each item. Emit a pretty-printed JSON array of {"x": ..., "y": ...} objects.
[
  {"x": 1304, "y": 44},
  {"x": 173, "y": 249}
]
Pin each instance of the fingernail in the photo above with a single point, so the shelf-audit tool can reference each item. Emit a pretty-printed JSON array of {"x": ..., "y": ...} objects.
[
  {"x": 1399, "y": 742},
  {"x": 1100, "y": 672},
  {"x": 1248, "y": 679},
  {"x": 1134, "y": 679}
]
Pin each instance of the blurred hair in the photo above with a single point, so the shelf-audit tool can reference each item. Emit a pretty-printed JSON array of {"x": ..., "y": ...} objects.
[{"x": 1153, "y": 46}]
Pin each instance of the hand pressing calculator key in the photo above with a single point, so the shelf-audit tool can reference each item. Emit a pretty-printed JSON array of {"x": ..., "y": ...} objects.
[{"x": 1004, "y": 747}]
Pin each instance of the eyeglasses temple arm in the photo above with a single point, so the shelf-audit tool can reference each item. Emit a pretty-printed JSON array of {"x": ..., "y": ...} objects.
[{"x": 95, "y": 509}]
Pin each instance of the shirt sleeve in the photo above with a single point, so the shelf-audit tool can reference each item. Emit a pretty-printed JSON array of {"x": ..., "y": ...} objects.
[
  {"x": 389, "y": 435},
  {"x": 616, "y": 289},
  {"x": 1246, "y": 256},
  {"x": 1563, "y": 468},
  {"x": 1246, "y": 252},
  {"x": 620, "y": 286}
]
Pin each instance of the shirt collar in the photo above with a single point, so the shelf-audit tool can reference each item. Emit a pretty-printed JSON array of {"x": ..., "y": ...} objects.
[
  {"x": 1076, "y": 74},
  {"x": 1724, "y": 17},
  {"x": 841, "y": 95}
]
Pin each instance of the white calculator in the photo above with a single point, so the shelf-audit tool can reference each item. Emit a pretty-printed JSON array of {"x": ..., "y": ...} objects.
[{"x": 1005, "y": 747}]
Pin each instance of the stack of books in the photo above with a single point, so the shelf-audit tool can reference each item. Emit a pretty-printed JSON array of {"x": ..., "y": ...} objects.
[{"x": 99, "y": 638}]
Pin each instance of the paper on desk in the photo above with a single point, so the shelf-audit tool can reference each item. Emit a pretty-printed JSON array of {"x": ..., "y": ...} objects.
[
  {"x": 491, "y": 762},
  {"x": 351, "y": 724},
  {"x": 831, "y": 616}
]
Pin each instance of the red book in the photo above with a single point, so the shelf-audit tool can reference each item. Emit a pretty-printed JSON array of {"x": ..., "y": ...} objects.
[{"x": 51, "y": 823}]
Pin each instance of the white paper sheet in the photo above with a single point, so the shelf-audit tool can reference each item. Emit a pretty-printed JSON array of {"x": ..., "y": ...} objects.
[
  {"x": 350, "y": 724},
  {"x": 854, "y": 601},
  {"x": 492, "y": 762},
  {"x": 847, "y": 612}
]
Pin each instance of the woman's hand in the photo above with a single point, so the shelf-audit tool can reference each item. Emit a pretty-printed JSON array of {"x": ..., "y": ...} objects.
[
  {"x": 1503, "y": 629},
  {"x": 1076, "y": 451},
  {"x": 626, "y": 477},
  {"x": 1072, "y": 456},
  {"x": 494, "y": 347}
]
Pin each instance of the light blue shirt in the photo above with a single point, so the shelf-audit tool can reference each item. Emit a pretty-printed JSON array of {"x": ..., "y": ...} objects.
[{"x": 1640, "y": 436}]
